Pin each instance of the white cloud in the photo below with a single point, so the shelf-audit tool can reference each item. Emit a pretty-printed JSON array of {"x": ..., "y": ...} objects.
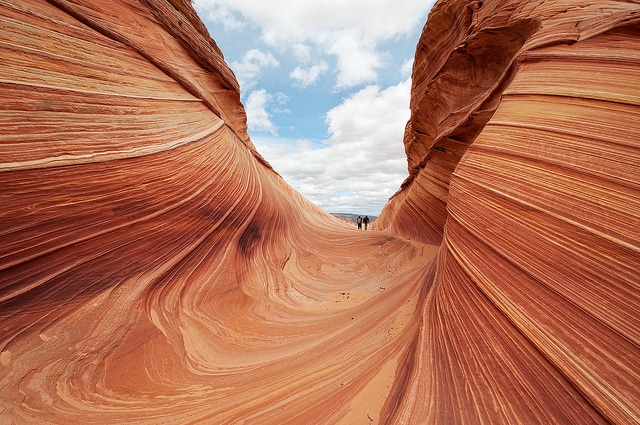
[
  {"x": 351, "y": 30},
  {"x": 357, "y": 58},
  {"x": 249, "y": 68},
  {"x": 282, "y": 20},
  {"x": 219, "y": 13},
  {"x": 258, "y": 119},
  {"x": 407, "y": 67},
  {"x": 361, "y": 164},
  {"x": 259, "y": 107},
  {"x": 371, "y": 115},
  {"x": 307, "y": 76},
  {"x": 301, "y": 51}
]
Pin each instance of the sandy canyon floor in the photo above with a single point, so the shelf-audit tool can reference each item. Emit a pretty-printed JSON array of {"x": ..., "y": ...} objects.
[{"x": 316, "y": 340}]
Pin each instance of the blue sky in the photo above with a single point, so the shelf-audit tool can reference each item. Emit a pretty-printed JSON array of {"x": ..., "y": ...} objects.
[{"x": 325, "y": 84}]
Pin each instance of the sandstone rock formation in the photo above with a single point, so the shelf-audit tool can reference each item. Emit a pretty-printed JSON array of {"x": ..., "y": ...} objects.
[
  {"x": 155, "y": 269},
  {"x": 524, "y": 162}
]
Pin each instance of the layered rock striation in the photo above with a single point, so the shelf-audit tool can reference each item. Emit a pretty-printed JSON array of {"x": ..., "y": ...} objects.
[
  {"x": 524, "y": 164},
  {"x": 155, "y": 269}
]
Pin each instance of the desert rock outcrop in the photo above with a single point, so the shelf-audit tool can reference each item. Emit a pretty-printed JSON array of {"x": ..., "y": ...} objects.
[
  {"x": 524, "y": 163},
  {"x": 155, "y": 269}
]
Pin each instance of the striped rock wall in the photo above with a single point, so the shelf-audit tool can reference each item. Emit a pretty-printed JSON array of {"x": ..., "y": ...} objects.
[{"x": 524, "y": 159}]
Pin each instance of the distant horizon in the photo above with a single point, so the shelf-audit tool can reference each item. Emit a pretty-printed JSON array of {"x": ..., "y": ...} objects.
[{"x": 354, "y": 214}]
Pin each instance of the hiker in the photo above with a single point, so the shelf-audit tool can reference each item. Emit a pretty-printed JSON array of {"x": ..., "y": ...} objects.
[
  {"x": 359, "y": 222},
  {"x": 365, "y": 220}
]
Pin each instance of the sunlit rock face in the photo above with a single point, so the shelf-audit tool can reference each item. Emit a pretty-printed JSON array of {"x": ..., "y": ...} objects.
[
  {"x": 155, "y": 269},
  {"x": 524, "y": 158}
]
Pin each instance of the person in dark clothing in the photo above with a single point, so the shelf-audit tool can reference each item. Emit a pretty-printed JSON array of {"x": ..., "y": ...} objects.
[
  {"x": 359, "y": 222},
  {"x": 365, "y": 220}
]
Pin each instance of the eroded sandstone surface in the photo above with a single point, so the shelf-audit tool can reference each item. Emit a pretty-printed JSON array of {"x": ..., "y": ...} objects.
[{"x": 155, "y": 269}]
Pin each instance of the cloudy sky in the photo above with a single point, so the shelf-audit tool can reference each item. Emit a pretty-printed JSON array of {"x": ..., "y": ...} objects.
[{"x": 325, "y": 84}]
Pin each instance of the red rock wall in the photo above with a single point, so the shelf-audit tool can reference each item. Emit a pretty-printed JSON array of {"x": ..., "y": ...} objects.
[{"x": 524, "y": 160}]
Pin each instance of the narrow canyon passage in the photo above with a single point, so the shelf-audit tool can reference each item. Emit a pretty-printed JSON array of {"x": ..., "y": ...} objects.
[
  {"x": 313, "y": 336},
  {"x": 166, "y": 296}
]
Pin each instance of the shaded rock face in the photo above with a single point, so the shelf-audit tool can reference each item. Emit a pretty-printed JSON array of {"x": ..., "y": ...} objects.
[{"x": 155, "y": 269}]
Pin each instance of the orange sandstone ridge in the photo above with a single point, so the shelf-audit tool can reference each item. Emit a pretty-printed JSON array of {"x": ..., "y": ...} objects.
[{"x": 155, "y": 269}]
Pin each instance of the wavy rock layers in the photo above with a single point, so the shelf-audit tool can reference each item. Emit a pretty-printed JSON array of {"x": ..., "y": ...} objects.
[
  {"x": 153, "y": 268},
  {"x": 525, "y": 159}
]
